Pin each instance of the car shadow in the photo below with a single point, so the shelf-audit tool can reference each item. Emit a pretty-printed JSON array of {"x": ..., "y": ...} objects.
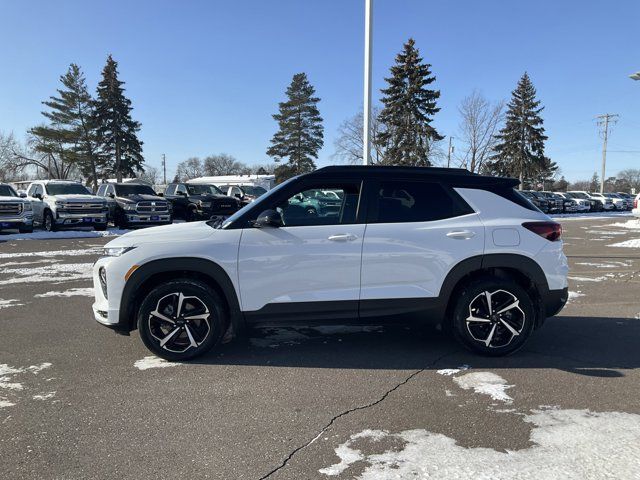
[{"x": 590, "y": 346}]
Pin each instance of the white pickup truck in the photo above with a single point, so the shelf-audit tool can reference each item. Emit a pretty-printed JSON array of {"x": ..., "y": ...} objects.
[{"x": 15, "y": 212}]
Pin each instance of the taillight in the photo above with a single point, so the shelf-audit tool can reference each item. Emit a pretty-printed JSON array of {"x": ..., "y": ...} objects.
[{"x": 552, "y": 231}]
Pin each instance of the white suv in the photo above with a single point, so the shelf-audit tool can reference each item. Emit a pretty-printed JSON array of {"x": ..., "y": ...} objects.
[
  {"x": 464, "y": 250},
  {"x": 63, "y": 203}
]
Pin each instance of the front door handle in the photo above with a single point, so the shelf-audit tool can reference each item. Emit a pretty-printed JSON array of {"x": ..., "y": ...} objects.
[
  {"x": 342, "y": 237},
  {"x": 461, "y": 234}
]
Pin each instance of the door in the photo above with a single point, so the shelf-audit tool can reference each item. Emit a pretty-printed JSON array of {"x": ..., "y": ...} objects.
[
  {"x": 309, "y": 268},
  {"x": 37, "y": 204},
  {"x": 416, "y": 233}
]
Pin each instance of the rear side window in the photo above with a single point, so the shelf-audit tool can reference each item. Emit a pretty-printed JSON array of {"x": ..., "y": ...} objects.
[
  {"x": 409, "y": 201},
  {"x": 516, "y": 197}
]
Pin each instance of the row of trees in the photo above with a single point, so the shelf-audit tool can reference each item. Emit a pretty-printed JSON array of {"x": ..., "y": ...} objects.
[
  {"x": 216, "y": 165},
  {"x": 494, "y": 142},
  {"x": 92, "y": 137},
  {"x": 625, "y": 181}
]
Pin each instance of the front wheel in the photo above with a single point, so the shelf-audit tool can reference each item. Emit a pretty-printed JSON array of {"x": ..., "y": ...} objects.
[
  {"x": 49, "y": 223},
  {"x": 493, "y": 317},
  {"x": 181, "y": 319}
]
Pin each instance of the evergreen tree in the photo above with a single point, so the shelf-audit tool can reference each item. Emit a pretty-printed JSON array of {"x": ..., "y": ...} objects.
[
  {"x": 407, "y": 136},
  {"x": 520, "y": 148},
  {"x": 117, "y": 131},
  {"x": 300, "y": 132}
]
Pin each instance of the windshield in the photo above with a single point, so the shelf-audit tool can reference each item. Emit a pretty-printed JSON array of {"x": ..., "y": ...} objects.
[
  {"x": 7, "y": 191},
  {"x": 125, "y": 190},
  {"x": 579, "y": 195},
  {"x": 254, "y": 191},
  {"x": 198, "y": 189},
  {"x": 257, "y": 205},
  {"x": 66, "y": 189}
]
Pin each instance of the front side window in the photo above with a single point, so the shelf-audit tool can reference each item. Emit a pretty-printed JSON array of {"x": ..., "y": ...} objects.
[
  {"x": 102, "y": 190},
  {"x": 7, "y": 191},
  {"x": 181, "y": 189},
  {"x": 407, "y": 201},
  {"x": 305, "y": 208},
  {"x": 198, "y": 189},
  {"x": 66, "y": 189}
]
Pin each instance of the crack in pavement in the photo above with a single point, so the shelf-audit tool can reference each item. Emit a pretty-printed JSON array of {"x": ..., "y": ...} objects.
[{"x": 355, "y": 409}]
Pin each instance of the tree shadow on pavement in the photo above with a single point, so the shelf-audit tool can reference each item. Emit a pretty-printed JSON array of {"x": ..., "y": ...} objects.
[{"x": 592, "y": 346}]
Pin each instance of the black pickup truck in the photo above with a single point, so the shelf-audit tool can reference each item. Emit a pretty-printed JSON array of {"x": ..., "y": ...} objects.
[
  {"x": 134, "y": 204},
  {"x": 196, "y": 201}
]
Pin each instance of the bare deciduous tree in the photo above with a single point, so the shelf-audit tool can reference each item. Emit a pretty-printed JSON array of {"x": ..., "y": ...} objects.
[
  {"x": 190, "y": 168},
  {"x": 223, "y": 164},
  {"x": 151, "y": 175},
  {"x": 349, "y": 144},
  {"x": 480, "y": 122}
]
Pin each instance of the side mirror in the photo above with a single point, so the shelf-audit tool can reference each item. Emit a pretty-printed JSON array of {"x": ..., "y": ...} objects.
[
  {"x": 160, "y": 194},
  {"x": 238, "y": 195},
  {"x": 111, "y": 195},
  {"x": 22, "y": 195},
  {"x": 268, "y": 218},
  {"x": 38, "y": 196}
]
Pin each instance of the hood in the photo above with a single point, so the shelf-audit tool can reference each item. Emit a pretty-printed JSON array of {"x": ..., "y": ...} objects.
[
  {"x": 12, "y": 199},
  {"x": 175, "y": 233},
  {"x": 138, "y": 197},
  {"x": 77, "y": 198}
]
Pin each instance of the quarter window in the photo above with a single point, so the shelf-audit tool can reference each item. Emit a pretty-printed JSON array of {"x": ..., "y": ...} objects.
[{"x": 409, "y": 201}]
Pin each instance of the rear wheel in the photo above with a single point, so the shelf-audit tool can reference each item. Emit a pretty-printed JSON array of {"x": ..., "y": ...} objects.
[
  {"x": 493, "y": 317},
  {"x": 182, "y": 319}
]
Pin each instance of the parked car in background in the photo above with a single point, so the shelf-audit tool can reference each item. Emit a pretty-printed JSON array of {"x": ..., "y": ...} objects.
[
  {"x": 199, "y": 201},
  {"x": 245, "y": 193},
  {"x": 537, "y": 199},
  {"x": 63, "y": 203},
  {"x": 572, "y": 205},
  {"x": 15, "y": 212},
  {"x": 628, "y": 198},
  {"x": 556, "y": 202},
  {"x": 595, "y": 205},
  {"x": 133, "y": 204},
  {"x": 618, "y": 202},
  {"x": 636, "y": 206},
  {"x": 607, "y": 203}
]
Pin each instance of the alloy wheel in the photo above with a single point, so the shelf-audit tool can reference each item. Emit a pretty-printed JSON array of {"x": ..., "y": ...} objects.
[
  {"x": 179, "y": 322},
  {"x": 495, "y": 318}
]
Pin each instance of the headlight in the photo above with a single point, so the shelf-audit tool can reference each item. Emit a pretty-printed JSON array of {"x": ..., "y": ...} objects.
[
  {"x": 115, "y": 251},
  {"x": 205, "y": 204},
  {"x": 59, "y": 203},
  {"x": 27, "y": 207},
  {"x": 129, "y": 206}
]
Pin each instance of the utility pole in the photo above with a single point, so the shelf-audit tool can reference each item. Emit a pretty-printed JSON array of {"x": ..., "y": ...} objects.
[
  {"x": 164, "y": 169},
  {"x": 366, "y": 124},
  {"x": 604, "y": 121},
  {"x": 450, "y": 152}
]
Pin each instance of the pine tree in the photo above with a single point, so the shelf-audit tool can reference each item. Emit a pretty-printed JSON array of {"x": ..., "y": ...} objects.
[
  {"x": 407, "y": 136},
  {"x": 520, "y": 148},
  {"x": 117, "y": 131},
  {"x": 71, "y": 133},
  {"x": 300, "y": 132}
]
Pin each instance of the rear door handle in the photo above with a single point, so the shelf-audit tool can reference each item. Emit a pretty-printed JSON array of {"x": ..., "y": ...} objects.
[
  {"x": 461, "y": 234},
  {"x": 342, "y": 237}
]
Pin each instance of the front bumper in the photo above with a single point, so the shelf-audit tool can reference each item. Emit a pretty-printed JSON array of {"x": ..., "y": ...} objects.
[
  {"x": 75, "y": 219},
  {"x": 16, "y": 222},
  {"x": 147, "y": 218}
]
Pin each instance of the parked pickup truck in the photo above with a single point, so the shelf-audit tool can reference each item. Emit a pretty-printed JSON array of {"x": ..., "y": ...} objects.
[
  {"x": 63, "y": 203},
  {"x": 15, "y": 212},
  {"x": 134, "y": 204},
  {"x": 245, "y": 193},
  {"x": 199, "y": 201}
]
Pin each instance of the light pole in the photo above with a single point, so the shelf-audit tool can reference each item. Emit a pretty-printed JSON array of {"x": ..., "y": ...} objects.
[{"x": 366, "y": 124}]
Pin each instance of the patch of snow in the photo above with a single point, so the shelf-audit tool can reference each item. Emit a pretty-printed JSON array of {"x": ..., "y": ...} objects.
[
  {"x": 44, "y": 260},
  {"x": 9, "y": 303},
  {"x": 588, "y": 279},
  {"x": 605, "y": 265},
  {"x": 485, "y": 383},
  {"x": 574, "y": 295},
  {"x": 587, "y": 216},
  {"x": 447, "y": 372},
  {"x": 604, "y": 232},
  {"x": 567, "y": 444},
  {"x": 44, "y": 396},
  {"x": 38, "y": 368},
  {"x": 633, "y": 243},
  {"x": 57, "y": 272},
  {"x": 7, "y": 380},
  {"x": 72, "y": 292},
  {"x": 44, "y": 235},
  {"x": 152, "y": 361},
  {"x": 630, "y": 224},
  {"x": 53, "y": 253}
]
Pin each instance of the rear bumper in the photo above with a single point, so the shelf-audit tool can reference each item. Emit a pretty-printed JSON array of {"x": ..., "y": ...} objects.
[{"x": 554, "y": 301}]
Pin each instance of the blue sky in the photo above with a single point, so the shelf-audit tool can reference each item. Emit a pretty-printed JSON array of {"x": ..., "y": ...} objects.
[{"x": 205, "y": 76}]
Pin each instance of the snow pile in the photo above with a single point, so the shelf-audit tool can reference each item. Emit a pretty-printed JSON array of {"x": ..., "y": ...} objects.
[
  {"x": 485, "y": 383},
  {"x": 153, "y": 362},
  {"x": 57, "y": 272},
  {"x": 447, "y": 372},
  {"x": 568, "y": 444},
  {"x": 633, "y": 243},
  {"x": 574, "y": 295},
  {"x": 72, "y": 292},
  {"x": 630, "y": 224},
  {"x": 9, "y": 303}
]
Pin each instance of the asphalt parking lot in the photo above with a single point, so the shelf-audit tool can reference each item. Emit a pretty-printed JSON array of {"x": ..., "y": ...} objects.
[{"x": 78, "y": 401}]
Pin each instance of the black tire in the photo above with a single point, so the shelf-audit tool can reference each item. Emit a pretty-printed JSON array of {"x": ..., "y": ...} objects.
[
  {"x": 200, "y": 300},
  {"x": 48, "y": 222},
  {"x": 120, "y": 222},
  {"x": 190, "y": 215},
  {"x": 25, "y": 229},
  {"x": 100, "y": 228},
  {"x": 472, "y": 303}
]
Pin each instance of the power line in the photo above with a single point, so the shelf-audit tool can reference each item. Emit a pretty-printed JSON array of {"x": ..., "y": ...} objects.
[{"x": 604, "y": 121}]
